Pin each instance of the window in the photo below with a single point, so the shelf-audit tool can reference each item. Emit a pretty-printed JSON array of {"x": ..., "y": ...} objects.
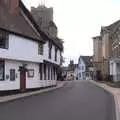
[
  {"x": 3, "y": 39},
  {"x": 56, "y": 53},
  {"x": 50, "y": 49},
  {"x": 80, "y": 75},
  {"x": 79, "y": 61},
  {"x": 48, "y": 72},
  {"x": 44, "y": 71},
  {"x": 51, "y": 73},
  {"x": 40, "y": 48},
  {"x": 40, "y": 71},
  {"x": 82, "y": 67},
  {"x": 30, "y": 73},
  {"x": 2, "y": 68},
  {"x": 54, "y": 72},
  {"x": 12, "y": 74},
  {"x": 61, "y": 59}
]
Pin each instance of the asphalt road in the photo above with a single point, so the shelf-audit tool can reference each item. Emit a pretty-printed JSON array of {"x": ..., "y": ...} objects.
[{"x": 76, "y": 101}]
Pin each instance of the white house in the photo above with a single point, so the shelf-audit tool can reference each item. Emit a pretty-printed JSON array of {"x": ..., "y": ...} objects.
[
  {"x": 85, "y": 68},
  {"x": 28, "y": 57}
]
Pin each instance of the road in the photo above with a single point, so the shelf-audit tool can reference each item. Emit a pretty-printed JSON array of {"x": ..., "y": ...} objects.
[{"x": 76, "y": 101}]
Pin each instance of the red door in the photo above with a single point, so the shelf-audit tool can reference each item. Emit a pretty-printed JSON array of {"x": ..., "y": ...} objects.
[{"x": 22, "y": 79}]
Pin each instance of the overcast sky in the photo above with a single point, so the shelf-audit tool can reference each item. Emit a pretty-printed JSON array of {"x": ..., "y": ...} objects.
[{"x": 80, "y": 20}]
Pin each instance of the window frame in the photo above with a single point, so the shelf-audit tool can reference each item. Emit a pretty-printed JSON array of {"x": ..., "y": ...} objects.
[
  {"x": 48, "y": 72},
  {"x": 51, "y": 73},
  {"x": 4, "y": 37},
  {"x": 45, "y": 75},
  {"x": 40, "y": 71},
  {"x": 50, "y": 50},
  {"x": 82, "y": 68},
  {"x": 3, "y": 63},
  {"x": 11, "y": 77},
  {"x": 56, "y": 51},
  {"x": 40, "y": 48},
  {"x": 54, "y": 71}
]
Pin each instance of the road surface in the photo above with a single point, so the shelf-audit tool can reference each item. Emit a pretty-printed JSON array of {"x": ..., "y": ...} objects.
[{"x": 76, "y": 101}]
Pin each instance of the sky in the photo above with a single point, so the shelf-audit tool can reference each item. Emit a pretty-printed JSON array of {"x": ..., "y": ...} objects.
[{"x": 80, "y": 20}]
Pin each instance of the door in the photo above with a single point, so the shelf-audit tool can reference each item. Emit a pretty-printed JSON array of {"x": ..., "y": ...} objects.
[{"x": 22, "y": 79}]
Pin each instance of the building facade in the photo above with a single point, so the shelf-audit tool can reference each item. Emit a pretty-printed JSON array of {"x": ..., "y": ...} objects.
[
  {"x": 85, "y": 68},
  {"x": 29, "y": 59},
  {"x": 109, "y": 44},
  {"x": 44, "y": 18},
  {"x": 115, "y": 59}
]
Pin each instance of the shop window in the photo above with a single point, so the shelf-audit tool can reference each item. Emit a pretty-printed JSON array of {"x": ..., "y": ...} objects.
[
  {"x": 54, "y": 70},
  {"x": 12, "y": 74},
  {"x": 51, "y": 73},
  {"x": 48, "y": 72},
  {"x": 40, "y": 71},
  {"x": 44, "y": 71}
]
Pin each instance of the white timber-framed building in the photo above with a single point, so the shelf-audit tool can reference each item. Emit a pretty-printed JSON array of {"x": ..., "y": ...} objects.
[{"x": 29, "y": 59}]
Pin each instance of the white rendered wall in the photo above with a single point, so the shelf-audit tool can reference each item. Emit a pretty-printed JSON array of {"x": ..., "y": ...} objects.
[
  {"x": 46, "y": 54},
  {"x": 7, "y": 84},
  {"x": 21, "y": 49}
]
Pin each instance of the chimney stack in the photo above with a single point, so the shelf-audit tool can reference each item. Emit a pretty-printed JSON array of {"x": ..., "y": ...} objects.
[{"x": 13, "y": 5}]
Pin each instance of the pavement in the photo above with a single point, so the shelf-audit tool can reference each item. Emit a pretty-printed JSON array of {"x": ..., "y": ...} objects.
[
  {"x": 74, "y": 101},
  {"x": 28, "y": 94},
  {"x": 115, "y": 92}
]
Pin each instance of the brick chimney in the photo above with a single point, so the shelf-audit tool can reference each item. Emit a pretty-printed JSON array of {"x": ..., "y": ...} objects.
[{"x": 13, "y": 5}]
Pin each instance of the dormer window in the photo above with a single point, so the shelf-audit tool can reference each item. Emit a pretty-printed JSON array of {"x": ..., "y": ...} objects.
[{"x": 3, "y": 39}]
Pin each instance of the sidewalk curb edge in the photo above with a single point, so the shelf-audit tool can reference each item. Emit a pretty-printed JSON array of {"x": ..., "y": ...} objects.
[
  {"x": 117, "y": 109},
  {"x": 31, "y": 94}
]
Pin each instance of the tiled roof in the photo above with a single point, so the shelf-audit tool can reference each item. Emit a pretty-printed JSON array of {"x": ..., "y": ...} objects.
[
  {"x": 16, "y": 23},
  {"x": 87, "y": 60}
]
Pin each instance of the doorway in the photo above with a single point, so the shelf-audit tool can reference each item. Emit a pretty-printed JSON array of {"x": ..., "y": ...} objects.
[{"x": 22, "y": 79}]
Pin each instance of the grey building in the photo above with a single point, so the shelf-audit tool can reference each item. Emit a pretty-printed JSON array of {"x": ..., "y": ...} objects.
[{"x": 44, "y": 18}]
